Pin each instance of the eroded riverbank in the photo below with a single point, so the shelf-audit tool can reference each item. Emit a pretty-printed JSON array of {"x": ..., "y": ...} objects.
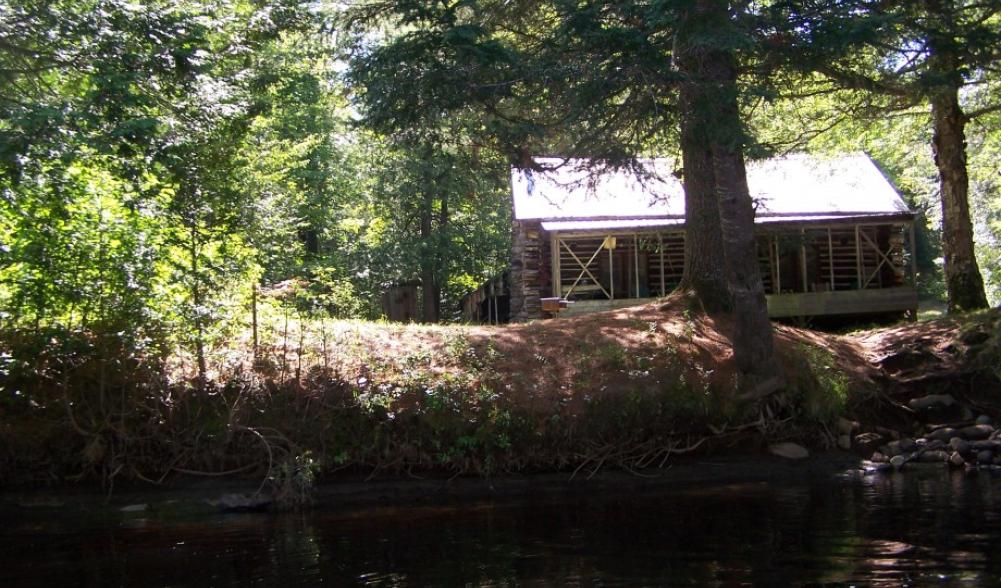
[{"x": 625, "y": 393}]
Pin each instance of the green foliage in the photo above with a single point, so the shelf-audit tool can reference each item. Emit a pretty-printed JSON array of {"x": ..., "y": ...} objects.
[
  {"x": 292, "y": 481},
  {"x": 824, "y": 390},
  {"x": 162, "y": 166},
  {"x": 122, "y": 207},
  {"x": 442, "y": 212}
]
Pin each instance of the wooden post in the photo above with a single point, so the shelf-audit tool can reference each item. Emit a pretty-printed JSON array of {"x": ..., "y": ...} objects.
[
  {"x": 636, "y": 262},
  {"x": 802, "y": 259},
  {"x": 660, "y": 243},
  {"x": 778, "y": 266},
  {"x": 830, "y": 257},
  {"x": 771, "y": 263},
  {"x": 914, "y": 257},
  {"x": 611, "y": 274},
  {"x": 858, "y": 260},
  {"x": 557, "y": 271}
]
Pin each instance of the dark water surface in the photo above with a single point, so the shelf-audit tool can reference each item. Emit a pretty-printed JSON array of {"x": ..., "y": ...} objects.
[{"x": 930, "y": 528}]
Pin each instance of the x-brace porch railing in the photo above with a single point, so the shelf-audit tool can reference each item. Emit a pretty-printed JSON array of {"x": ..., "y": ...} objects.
[
  {"x": 584, "y": 269},
  {"x": 884, "y": 258}
]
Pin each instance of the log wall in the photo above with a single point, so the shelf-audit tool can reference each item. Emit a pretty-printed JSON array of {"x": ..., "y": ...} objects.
[{"x": 529, "y": 271}]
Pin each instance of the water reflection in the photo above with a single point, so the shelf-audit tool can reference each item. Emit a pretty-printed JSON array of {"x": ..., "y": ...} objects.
[{"x": 931, "y": 527}]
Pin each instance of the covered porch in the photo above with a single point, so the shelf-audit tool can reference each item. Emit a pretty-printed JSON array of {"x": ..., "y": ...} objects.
[{"x": 818, "y": 267}]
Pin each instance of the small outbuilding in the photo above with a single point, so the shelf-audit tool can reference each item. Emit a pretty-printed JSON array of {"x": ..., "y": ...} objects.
[{"x": 834, "y": 236}]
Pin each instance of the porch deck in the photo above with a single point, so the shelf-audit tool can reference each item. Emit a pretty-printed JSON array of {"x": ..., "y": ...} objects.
[{"x": 806, "y": 304}]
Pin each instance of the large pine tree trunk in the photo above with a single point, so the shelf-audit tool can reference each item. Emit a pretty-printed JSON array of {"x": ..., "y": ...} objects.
[
  {"x": 962, "y": 275},
  {"x": 753, "y": 347},
  {"x": 705, "y": 266}
]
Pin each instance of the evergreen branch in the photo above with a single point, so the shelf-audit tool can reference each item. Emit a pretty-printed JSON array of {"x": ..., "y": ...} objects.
[
  {"x": 982, "y": 111},
  {"x": 855, "y": 81}
]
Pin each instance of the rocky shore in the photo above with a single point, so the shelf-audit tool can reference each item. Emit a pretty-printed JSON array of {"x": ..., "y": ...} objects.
[{"x": 962, "y": 441}]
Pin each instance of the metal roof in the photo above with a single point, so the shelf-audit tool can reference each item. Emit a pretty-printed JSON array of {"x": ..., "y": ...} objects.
[
  {"x": 798, "y": 185},
  {"x": 626, "y": 223},
  {"x": 654, "y": 223}
]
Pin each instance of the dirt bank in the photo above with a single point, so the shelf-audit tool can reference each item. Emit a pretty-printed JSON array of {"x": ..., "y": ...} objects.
[
  {"x": 939, "y": 393},
  {"x": 630, "y": 390}
]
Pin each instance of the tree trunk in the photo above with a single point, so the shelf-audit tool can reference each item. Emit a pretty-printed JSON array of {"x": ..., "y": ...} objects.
[
  {"x": 753, "y": 347},
  {"x": 705, "y": 265},
  {"x": 253, "y": 322},
  {"x": 440, "y": 240},
  {"x": 196, "y": 302},
  {"x": 962, "y": 275},
  {"x": 430, "y": 292}
]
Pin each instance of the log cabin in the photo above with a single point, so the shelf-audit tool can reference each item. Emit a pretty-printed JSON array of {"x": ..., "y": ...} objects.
[{"x": 834, "y": 238}]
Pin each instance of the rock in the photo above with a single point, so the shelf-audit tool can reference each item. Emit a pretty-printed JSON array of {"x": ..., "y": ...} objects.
[
  {"x": 976, "y": 432},
  {"x": 986, "y": 456},
  {"x": 975, "y": 337},
  {"x": 844, "y": 442},
  {"x": 931, "y": 401},
  {"x": 939, "y": 408},
  {"x": 989, "y": 444},
  {"x": 892, "y": 448},
  {"x": 847, "y": 427},
  {"x": 957, "y": 460},
  {"x": 933, "y": 456},
  {"x": 135, "y": 508},
  {"x": 898, "y": 461},
  {"x": 959, "y": 445},
  {"x": 943, "y": 434},
  {"x": 242, "y": 502},
  {"x": 983, "y": 420},
  {"x": 878, "y": 458},
  {"x": 930, "y": 444},
  {"x": 904, "y": 445},
  {"x": 789, "y": 450},
  {"x": 867, "y": 442}
]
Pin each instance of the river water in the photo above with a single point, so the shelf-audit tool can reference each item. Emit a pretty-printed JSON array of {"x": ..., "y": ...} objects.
[{"x": 927, "y": 528}]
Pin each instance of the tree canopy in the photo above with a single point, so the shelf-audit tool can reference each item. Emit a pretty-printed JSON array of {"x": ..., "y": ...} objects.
[{"x": 164, "y": 163}]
